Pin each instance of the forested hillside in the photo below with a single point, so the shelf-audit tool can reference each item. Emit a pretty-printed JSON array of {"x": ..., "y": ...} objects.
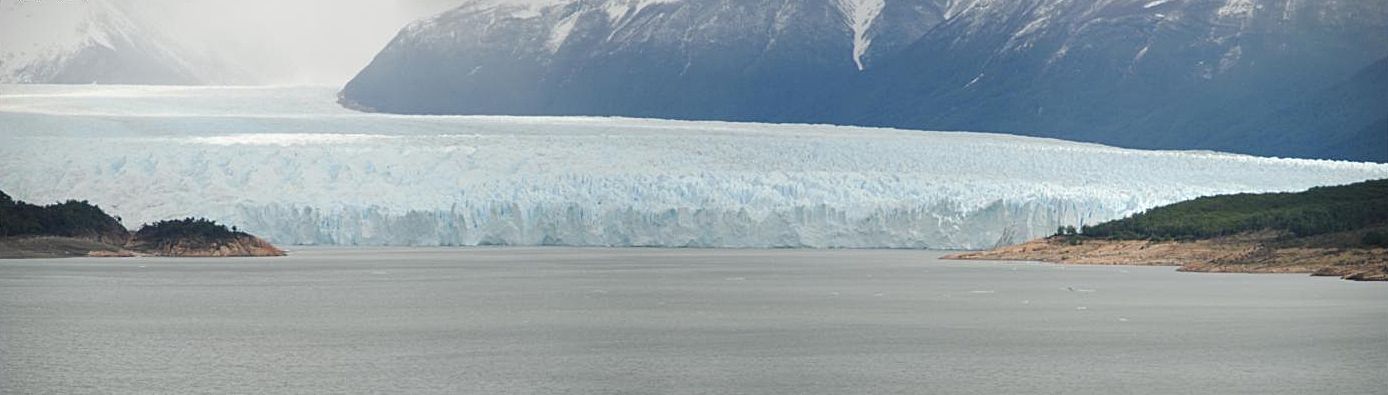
[
  {"x": 1316, "y": 211},
  {"x": 76, "y": 219}
]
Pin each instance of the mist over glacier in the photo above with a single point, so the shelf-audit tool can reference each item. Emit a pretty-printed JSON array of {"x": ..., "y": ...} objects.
[{"x": 290, "y": 165}]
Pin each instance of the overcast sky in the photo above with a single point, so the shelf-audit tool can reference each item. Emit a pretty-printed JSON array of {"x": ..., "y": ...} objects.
[{"x": 288, "y": 41}]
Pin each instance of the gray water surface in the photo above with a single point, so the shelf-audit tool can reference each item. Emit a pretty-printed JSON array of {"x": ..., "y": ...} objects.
[{"x": 559, "y": 320}]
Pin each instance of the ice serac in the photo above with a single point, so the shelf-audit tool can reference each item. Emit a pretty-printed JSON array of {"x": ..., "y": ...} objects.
[
  {"x": 287, "y": 164},
  {"x": 84, "y": 42}
]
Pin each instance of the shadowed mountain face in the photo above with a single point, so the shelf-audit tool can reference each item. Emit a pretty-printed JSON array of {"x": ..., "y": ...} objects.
[
  {"x": 1348, "y": 119},
  {"x": 1182, "y": 74},
  {"x": 1146, "y": 74},
  {"x": 707, "y": 59}
]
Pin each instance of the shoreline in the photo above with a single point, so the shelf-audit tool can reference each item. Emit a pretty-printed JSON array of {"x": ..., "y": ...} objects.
[
  {"x": 53, "y": 247},
  {"x": 1247, "y": 253}
]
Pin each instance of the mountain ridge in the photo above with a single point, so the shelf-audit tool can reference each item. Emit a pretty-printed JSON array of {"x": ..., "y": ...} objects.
[
  {"x": 594, "y": 58},
  {"x": 93, "y": 41},
  {"x": 1177, "y": 74}
]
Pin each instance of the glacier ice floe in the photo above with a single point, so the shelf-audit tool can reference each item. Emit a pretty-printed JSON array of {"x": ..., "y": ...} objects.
[{"x": 286, "y": 164}]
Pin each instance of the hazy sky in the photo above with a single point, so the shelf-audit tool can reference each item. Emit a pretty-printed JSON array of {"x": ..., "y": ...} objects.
[{"x": 288, "y": 41}]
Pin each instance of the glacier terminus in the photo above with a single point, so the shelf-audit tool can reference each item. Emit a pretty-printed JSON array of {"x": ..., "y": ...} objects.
[{"x": 288, "y": 163}]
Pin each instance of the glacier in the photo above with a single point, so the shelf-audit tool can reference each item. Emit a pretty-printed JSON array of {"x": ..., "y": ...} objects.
[{"x": 289, "y": 164}]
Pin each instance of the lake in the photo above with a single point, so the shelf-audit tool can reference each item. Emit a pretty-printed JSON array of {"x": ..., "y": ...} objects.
[{"x": 594, "y": 320}]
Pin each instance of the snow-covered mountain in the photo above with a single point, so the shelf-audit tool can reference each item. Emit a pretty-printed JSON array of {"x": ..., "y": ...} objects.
[
  {"x": 88, "y": 41},
  {"x": 288, "y": 164},
  {"x": 713, "y": 59},
  {"x": 1137, "y": 73}
]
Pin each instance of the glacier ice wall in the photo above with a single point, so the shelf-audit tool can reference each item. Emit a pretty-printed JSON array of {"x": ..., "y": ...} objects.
[{"x": 286, "y": 164}]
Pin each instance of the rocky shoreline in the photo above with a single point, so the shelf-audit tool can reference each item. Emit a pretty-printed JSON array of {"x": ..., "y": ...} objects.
[
  {"x": 68, "y": 247},
  {"x": 79, "y": 228},
  {"x": 1247, "y": 253},
  {"x": 239, "y": 246}
]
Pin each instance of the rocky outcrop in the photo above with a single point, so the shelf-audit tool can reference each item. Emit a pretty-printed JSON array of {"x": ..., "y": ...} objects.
[
  {"x": 198, "y": 237},
  {"x": 56, "y": 247},
  {"x": 239, "y": 246},
  {"x": 64, "y": 247},
  {"x": 78, "y": 228},
  {"x": 1379, "y": 273}
]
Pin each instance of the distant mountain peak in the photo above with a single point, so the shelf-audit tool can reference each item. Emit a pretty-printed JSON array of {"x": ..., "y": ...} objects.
[{"x": 90, "y": 41}]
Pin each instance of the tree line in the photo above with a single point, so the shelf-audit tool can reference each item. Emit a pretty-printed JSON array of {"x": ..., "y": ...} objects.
[
  {"x": 198, "y": 231},
  {"x": 71, "y": 218},
  {"x": 1316, "y": 211},
  {"x": 81, "y": 219}
]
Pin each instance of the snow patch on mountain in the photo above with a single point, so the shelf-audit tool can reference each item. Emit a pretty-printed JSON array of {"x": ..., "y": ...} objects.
[
  {"x": 1235, "y": 8},
  {"x": 861, "y": 14},
  {"x": 619, "y": 10},
  {"x": 560, "y": 33},
  {"x": 1155, "y": 3}
]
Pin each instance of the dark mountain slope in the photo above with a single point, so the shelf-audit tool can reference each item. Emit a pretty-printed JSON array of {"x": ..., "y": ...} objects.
[
  {"x": 1172, "y": 75},
  {"x": 1348, "y": 120},
  {"x": 1168, "y": 74},
  {"x": 695, "y": 59}
]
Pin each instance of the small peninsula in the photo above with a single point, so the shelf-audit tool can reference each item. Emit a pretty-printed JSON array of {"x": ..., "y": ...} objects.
[
  {"x": 1326, "y": 231},
  {"x": 79, "y": 228}
]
